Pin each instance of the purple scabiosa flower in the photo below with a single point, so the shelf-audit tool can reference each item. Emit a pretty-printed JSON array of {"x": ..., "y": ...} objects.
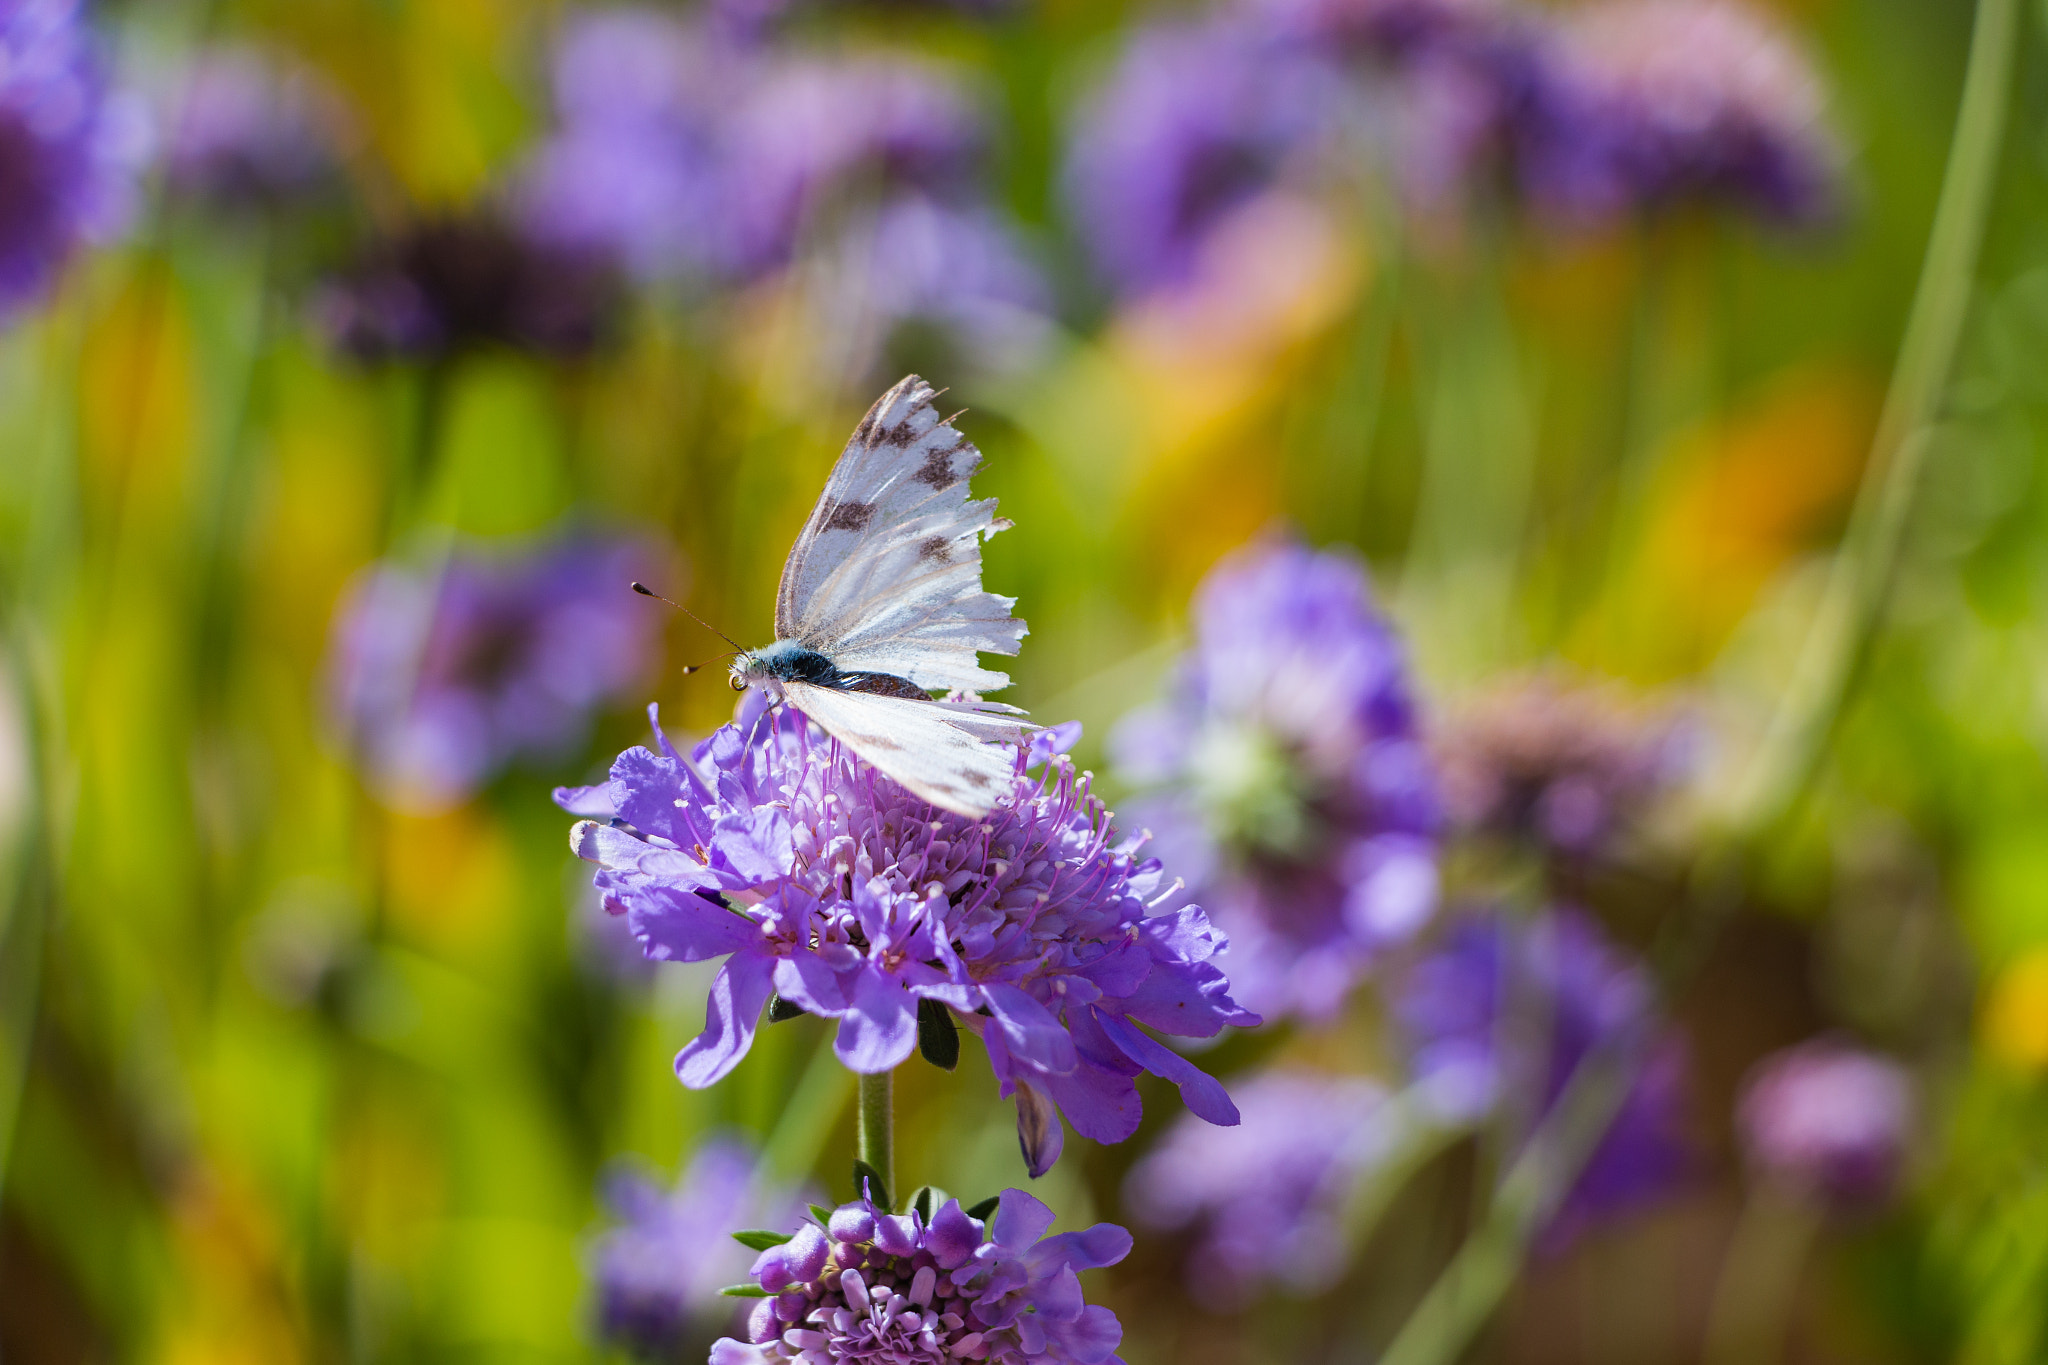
[
  {"x": 1194, "y": 122},
  {"x": 893, "y": 1289},
  {"x": 246, "y": 131},
  {"x": 657, "y": 1270},
  {"x": 64, "y": 145},
  {"x": 1663, "y": 102},
  {"x": 439, "y": 680},
  {"x": 1567, "y": 765},
  {"x": 1285, "y": 778},
  {"x": 812, "y": 136},
  {"x": 1500, "y": 1015},
  {"x": 819, "y": 879},
  {"x": 447, "y": 285},
  {"x": 1264, "y": 1199},
  {"x": 635, "y": 168},
  {"x": 1829, "y": 1119}
]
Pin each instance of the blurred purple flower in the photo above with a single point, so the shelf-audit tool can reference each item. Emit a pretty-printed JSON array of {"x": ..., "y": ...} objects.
[
  {"x": 1194, "y": 122},
  {"x": 919, "y": 266},
  {"x": 1567, "y": 765},
  {"x": 1286, "y": 779},
  {"x": 445, "y": 285},
  {"x": 1386, "y": 30},
  {"x": 1501, "y": 1014},
  {"x": 439, "y": 681},
  {"x": 892, "y": 1289},
  {"x": 819, "y": 879},
  {"x": 1657, "y": 103},
  {"x": 1266, "y": 1198},
  {"x": 246, "y": 131},
  {"x": 658, "y": 1270},
  {"x": 810, "y": 136},
  {"x": 65, "y": 147},
  {"x": 1829, "y": 1119},
  {"x": 635, "y": 167}
]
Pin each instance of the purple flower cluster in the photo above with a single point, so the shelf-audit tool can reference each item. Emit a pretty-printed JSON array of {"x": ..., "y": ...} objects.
[
  {"x": 1286, "y": 780},
  {"x": 1265, "y": 1199},
  {"x": 1195, "y": 122},
  {"x": 246, "y": 131},
  {"x": 1829, "y": 1119},
  {"x": 1567, "y": 765},
  {"x": 65, "y": 148},
  {"x": 1498, "y": 1019},
  {"x": 1662, "y": 102},
  {"x": 439, "y": 679},
  {"x": 707, "y": 154},
  {"x": 658, "y": 1270},
  {"x": 892, "y": 1289},
  {"x": 1622, "y": 108},
  {"x": 819, "y": 879}
]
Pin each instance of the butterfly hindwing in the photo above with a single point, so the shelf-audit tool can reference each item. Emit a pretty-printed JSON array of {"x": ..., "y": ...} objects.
[
  {"x": 886, "y": 575},
  {"x": 937, "y": 750}
]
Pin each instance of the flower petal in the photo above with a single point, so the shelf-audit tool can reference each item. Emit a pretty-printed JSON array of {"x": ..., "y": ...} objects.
[
  {"x": 729, "y": 1019},
  {"x": 1033, "y": 1034},
  {"x": 1039, "y": 1135},
  {"x": 879, "y": 1028},
  {"x": 1204, "y": 1094},
  {"x": 804, "y": 980},
  {"x": 1020, "y": 1221}
]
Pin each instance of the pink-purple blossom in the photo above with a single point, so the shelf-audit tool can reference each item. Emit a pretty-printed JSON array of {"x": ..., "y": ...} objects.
[
  {"x": 1285, "y": 778},
  {"x": 816, "y": 878},
  {"x": 894, "y": 1289},
  {"x": 1829, "y": 1119}
]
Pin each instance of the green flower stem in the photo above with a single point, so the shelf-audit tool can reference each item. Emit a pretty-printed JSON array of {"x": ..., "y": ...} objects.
[
  {"x": 1480, "y": 1274},
  {"x": 875, "y": 1125},
  {"x": 1852, "y": 605}
]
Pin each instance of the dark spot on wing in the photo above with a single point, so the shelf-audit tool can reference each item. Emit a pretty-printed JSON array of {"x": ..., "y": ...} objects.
[
  {"x": 935, "y": 548},
  {"x": 976, "y": 778},
  {"x": 938, "y": 469},
  {"x": 880, "y": 742},
  {"x": 904, "y": 433},
  {"x": 849, "y": 516}
]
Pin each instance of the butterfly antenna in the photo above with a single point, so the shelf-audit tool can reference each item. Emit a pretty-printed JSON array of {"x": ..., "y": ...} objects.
[
  {"x": 692, "y": 668},
  {"x": 646, "y": 591}
]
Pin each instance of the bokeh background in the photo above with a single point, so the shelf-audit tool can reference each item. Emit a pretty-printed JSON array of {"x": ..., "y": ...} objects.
[{"x": 357, "y": 354}]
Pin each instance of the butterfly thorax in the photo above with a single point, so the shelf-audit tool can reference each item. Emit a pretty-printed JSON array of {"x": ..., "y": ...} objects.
[{"x": 793, "y": 661}]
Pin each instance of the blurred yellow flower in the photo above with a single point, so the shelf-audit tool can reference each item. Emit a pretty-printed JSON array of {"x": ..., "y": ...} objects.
[{"x": 2015, "y": 1026}]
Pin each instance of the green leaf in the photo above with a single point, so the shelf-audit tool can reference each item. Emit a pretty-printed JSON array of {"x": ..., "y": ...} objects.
[
  {"x": 868, "y": 1181},
  {"x": 938, "y": 1038},
  {"x": 781, "y": 1011},
  {"x": 745, "y": 1291},
  {"x": 928, "y": 1200},
  {"x": 758, "y": 1240},
  {"x": 821, "y": 1213},
  {"x": 985, "y": 1207}
]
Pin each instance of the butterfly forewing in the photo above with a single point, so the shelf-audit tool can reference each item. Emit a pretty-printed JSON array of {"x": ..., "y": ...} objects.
[
  {"x": 886, "y": 576},
  {"x": 927, "y": 746}
]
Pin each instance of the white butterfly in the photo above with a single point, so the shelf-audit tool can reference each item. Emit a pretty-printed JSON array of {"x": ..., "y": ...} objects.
[{"x": 881, "y": 604}]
